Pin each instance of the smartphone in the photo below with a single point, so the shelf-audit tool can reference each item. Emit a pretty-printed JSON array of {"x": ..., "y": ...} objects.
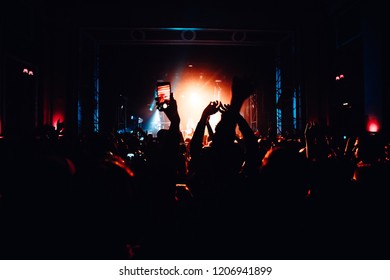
[{"x": 163, "y": 95}]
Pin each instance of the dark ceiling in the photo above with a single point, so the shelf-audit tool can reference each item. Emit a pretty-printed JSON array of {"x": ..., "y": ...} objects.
[{"x": 270, "y": 15}]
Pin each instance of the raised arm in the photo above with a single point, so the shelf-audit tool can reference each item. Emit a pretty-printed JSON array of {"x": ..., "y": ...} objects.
[
  {"x": 173, "y": 115},
  {"x": 252, "y": 154},
  {"x": 197, "y": 139}
]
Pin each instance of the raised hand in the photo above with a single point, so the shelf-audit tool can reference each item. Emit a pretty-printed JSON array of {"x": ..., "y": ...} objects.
[
  {"x": 223, "y": 108},
  {"x": 171, "y": 110},
  {"x": 210, "y": 109},
  {"x": 310, "y": 131}
]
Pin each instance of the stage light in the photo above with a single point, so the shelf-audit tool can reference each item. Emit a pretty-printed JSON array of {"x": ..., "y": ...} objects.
[
  {"x": 28, "y": 72},
  {"x": 373, "y": 125}
]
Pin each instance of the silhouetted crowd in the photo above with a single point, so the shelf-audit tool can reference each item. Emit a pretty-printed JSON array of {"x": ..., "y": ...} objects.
[{"x": 231, "y": 193}]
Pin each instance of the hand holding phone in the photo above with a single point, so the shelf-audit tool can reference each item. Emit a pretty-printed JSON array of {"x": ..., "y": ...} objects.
[{"x": 163, "y": 94}]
